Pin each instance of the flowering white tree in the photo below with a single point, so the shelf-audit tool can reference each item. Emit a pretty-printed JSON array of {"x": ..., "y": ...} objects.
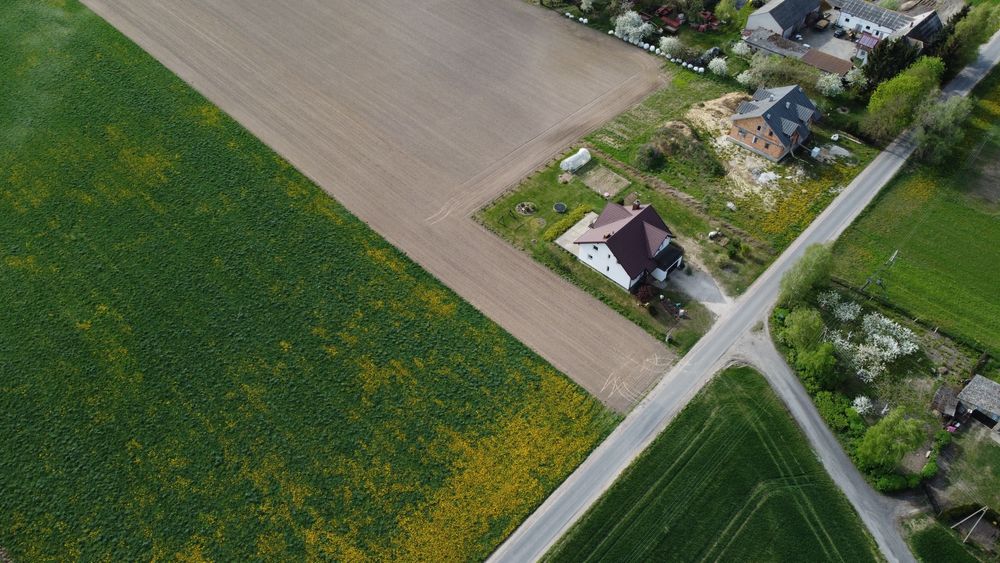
[
  {"x": 630, "y": 27},
  {"x": 862, "y": 405},
  {"x": 856, "y": 78},
  {"x": 830, "y": 85},
  {"x": 880, "y": 341},
  {"x": 586, "y": 5},
  {"x": 748, "y": 78},
  {"x": 672, "y": 46},
  {"x": 843, "y": 311},
  {"x": 741, "y": 49},
  {"x": 719, "y": 66}
]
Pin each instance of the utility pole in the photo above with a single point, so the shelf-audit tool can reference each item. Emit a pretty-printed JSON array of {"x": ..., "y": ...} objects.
[{"x": 876, "y": 276}]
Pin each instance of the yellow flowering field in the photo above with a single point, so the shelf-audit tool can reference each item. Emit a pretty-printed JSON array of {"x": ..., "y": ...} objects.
[{"x": 204, "y": 357}]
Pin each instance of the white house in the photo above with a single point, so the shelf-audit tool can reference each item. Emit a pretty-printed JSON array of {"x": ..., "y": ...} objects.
[
  {"x": 784, "y": 17},
  {"x": 628, "y": 244},
  {"x": 868, "y": 17}
]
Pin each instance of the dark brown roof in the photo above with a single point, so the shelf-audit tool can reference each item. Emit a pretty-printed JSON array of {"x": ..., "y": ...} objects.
[
  {"x": 632, "y": 235},
  {"x": 829, "y": 63},
  {"x": 945, "y": 401}
]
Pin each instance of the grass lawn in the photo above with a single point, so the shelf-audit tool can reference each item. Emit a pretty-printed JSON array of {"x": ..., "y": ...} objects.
[
  {"x": 934, "y": 543},
  {"x": 731, "y": 479},
  {"x": 943, "y": 222},
  {"x": 528, "y": 233},
  {"x": 974, "y": 475},
  {"x": 203, "y": 356}
]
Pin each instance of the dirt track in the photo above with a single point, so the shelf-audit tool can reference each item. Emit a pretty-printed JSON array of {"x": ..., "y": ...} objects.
[{"x": 414, "y": 114}]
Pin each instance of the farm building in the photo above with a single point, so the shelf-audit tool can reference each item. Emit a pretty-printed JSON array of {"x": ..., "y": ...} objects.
[
  {"x": 775, "y": 122},
  {"x": 982, "y": 396},
  {"x": 868, "y": 17},
  {"x": 626, "y": 244},
  {"x": 784, "y": 17}
]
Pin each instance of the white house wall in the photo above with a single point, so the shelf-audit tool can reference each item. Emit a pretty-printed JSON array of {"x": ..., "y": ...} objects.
[
  {"x": 599, "y": 257},
  {"x": 850, "y": 21},
  {"x": 764, "y": 21}
]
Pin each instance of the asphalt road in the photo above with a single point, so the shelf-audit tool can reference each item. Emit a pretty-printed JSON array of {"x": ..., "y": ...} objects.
[{"x": 731, "y": 338}]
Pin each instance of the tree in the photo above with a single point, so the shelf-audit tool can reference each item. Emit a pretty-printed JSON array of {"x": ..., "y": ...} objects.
[
  {"x": 719, "y": 66},
  {"x": 831, "y": 85},
  {"x": 856, "y": 79},
  {"x": 885, "y": 443},
  {"x": 803, "y": 328},
  {"x": 818, "y": 366},
  {"x": 799, "y": 280},
  {"x": 672, "y": 46},
  {"x": 649, "y": 157},
  {"x": 630, "y": 27},
  {"x": 725, "y": 10},
  {"x": 939, "y": 126},
  {"x": 887, "y": 59},
  {"x": 586, "y": 5},
  {"x": 893, "y": 104},
  {"x": 741, "y": 49},
  {"x": 964, "y": 35}
]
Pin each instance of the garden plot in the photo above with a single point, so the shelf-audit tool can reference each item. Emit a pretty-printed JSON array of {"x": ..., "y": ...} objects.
[{"x": 604, "y": 181}]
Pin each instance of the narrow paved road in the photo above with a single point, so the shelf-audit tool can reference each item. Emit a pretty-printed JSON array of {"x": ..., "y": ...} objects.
[{"x": 571, "y": 500}]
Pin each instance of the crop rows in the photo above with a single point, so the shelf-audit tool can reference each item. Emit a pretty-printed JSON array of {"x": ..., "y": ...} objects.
[
  {"x": 732, "y": 478},
  {"x": 204, "y": 356}
]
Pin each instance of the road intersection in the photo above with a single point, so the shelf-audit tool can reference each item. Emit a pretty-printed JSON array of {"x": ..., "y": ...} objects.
[{"x": 733, "y": 338}]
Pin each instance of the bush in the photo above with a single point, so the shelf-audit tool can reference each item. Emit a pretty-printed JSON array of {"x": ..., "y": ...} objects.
[
  {"x": 819, "y": 365},
  {"x": 563, "y": 225},
  {"x": 930, "y": 469},
  {"x": 803, "y": 329},
  {"x": 649, "y": 157},
  {"x": 833, "y": 406},
  {"x": 719, "y": 66},
  {"x": 645, "y": 294},
  {"x": 891, "y": 482},
  {"x": 799, "y": 280},
  {"x": 741, "y": 49},
  {"x": 672, "y": 46},
  {"x": 885, "y": 443}
]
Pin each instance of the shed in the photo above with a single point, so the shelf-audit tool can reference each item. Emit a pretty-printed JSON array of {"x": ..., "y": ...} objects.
[{"x": 945, "y": 401}]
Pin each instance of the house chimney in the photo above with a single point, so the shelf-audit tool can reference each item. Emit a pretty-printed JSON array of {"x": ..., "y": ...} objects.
[
  {"x": 770, "y": 98},
  {"x": 788, "y": 105},
  {"x": 635, "y": 205}
]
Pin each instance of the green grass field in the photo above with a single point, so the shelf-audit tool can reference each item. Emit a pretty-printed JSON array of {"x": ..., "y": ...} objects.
[
  {"x": 731, "y": 479},
  {"x": 943, "y": 221},
  {"x": 935, "y": 543},
  {"x": 202, "y": 356}
]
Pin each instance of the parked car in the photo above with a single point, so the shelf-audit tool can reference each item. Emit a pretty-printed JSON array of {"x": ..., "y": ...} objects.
[{"x": 839, "y": 33}]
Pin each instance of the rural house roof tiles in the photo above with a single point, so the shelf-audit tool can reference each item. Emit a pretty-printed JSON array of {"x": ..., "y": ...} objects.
[{"x": 632, "y": 235}]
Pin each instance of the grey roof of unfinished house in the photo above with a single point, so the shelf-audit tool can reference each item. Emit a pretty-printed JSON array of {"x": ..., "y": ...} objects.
[{"x": 785, "y": 110}]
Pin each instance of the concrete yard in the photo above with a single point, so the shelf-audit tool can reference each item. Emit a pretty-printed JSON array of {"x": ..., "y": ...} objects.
[{"x": 413, "y": 115}]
